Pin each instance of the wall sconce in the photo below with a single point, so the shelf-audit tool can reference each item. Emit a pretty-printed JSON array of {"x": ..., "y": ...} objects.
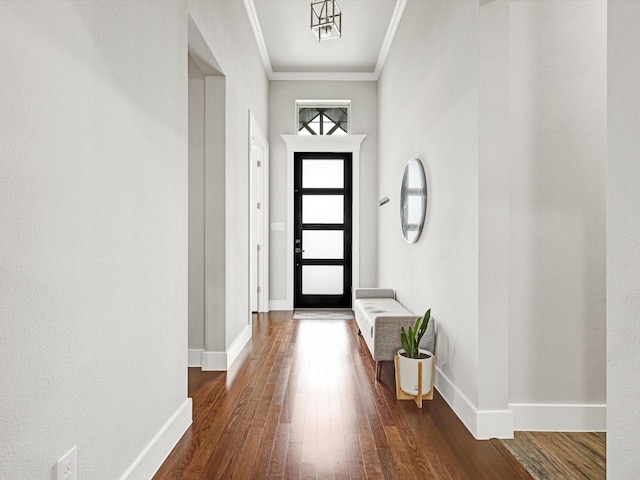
[{"x": 326, "y": 20}]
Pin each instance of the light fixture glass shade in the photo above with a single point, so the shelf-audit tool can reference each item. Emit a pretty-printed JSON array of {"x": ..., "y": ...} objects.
[{"x": 326, "y": 20}]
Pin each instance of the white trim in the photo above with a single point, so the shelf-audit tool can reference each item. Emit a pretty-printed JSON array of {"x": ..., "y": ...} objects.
[
  {"x": 238, "y": 344},
  {"x": 257, "y": 33},
  {"x": 223, "y": 361},
  {"x": 494, "y": 424},
  {"x": 324, "y": 76},
  {"x": 194, "y": 357},
  {"x": 389, "y": 36},
  {"x": 258, "y": 138},
  {"x": 214, "y": 361},
  {"x": 324, "y": 143},
  {"x": 304, "y": 102},
  {"x": 483, "y": 424},
  {"x": 279, "y": 305},
  {"x": 457, "y": 400},
  {"x": 559, "y": 417},
  {"x": 155, "y": 453}
]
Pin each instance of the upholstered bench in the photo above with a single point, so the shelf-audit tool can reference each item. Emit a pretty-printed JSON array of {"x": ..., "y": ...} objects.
[{"x": 379, "y": 317}]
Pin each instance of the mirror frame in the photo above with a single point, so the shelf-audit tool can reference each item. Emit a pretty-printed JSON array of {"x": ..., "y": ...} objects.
[{"x": 413, "y": 175}]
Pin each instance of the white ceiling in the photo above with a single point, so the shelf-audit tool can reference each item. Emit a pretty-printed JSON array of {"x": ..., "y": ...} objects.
[{"x": 290, "y": 51}]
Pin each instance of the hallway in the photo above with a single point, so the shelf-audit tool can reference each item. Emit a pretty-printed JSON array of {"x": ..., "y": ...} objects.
[{"x": 302, "y": 403}]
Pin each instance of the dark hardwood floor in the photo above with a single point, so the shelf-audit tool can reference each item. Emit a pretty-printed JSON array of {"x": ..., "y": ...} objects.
[
  {"x": 302, "y": 403},
  {"x": 561, "y": 455}
]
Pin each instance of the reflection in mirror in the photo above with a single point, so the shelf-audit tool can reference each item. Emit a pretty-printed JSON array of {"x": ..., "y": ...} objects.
[{"x": 413, "y": 200}]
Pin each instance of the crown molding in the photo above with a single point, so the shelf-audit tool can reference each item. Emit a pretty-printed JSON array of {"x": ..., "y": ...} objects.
[
  {"x": 325, "y": 76},
  {"x": 396, "y": 16},
  {"x": 257, "y": 33}
]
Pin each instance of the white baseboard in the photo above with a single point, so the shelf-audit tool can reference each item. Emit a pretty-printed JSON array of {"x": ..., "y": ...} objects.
[
  {"x": 280, "y": 305},
  {"x": 156, "y": 452},
  {"x": 559, "y": 417},
  {"x": 483, "y": 424},
  {"x": 457, "y": 400},
  {"x": 214, "y": 361},
  {"x": 494, "y": 424},
  {"x": 222, "y": 361},
  {"x": 238, "y": 344},
  {"x": 194, "y": 358}
]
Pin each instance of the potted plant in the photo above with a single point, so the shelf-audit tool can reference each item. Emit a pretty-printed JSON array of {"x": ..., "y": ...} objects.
[{"x": 411, "y": 355}]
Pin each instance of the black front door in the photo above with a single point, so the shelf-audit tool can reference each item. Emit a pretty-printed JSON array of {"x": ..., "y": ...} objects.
[{"x": 322, "y": 233}]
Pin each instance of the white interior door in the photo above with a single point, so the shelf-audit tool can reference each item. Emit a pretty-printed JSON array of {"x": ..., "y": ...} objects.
[{"x": 259, "y": 208}]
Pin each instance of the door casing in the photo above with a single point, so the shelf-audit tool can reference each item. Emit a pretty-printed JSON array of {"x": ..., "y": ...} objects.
[
  {"x": 259, "y": 218},
  {"x": 322, "y": 301},
  {"x": 316, "y": 143}
]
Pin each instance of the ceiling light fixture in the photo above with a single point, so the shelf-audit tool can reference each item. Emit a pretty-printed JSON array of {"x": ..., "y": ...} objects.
[{"x": 326, "y": 20}]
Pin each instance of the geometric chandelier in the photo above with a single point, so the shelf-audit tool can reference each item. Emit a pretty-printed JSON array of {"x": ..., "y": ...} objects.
[{"x": 326, "y": 20}]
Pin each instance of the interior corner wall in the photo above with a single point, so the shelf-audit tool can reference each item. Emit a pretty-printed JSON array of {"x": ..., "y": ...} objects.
[
  {"x": 93, "y": 255},
  {"x": 558, "y": 146},
  {"x": 428, "y": 108},
  {"x": 225, "y": 28},
  {"x": 493, "y": 213},
  {"x": 364, "y": 118},
  {"x": 623, "y": 238},
  {"x": 215, "y": 211},
  {"x": 196, "y": 205}
]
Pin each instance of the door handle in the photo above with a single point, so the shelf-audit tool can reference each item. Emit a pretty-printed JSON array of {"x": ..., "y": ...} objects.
[{"x": 299, "y": 250}]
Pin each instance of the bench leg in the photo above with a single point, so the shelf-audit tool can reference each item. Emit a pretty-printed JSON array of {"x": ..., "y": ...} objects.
[{"x": 378, "y": 370}]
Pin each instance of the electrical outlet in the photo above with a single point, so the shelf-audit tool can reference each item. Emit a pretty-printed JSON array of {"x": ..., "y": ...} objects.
[{"x": 68, "y": 465}]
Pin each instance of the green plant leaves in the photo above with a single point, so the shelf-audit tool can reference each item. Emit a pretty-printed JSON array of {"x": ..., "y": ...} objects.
[
  {"x": 411, "y": 339},
  {"x": 405, "y": 341}
]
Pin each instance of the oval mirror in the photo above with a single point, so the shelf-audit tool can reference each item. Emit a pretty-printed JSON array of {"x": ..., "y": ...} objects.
[{"x": 413, "y": 200}]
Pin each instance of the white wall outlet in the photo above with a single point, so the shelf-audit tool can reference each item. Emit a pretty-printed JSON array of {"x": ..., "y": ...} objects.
[{"x": 68, "y": 465}]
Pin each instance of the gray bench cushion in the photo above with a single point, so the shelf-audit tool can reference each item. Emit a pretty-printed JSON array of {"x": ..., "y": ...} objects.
[
  {"x": 380, "y": 316},
  {"x": 382, "y": 307}
]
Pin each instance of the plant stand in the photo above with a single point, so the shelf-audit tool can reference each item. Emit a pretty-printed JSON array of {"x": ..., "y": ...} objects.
[{"x": 402, "y": 395}]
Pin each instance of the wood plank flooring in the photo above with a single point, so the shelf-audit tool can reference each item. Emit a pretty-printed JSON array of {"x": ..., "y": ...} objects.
[
  {"x": 561, "y": 455},
  {"x": 302, "y": 403}
]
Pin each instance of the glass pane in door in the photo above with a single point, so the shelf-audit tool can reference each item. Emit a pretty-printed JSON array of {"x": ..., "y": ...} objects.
[
  {"x": 322, "y": 280},
  {"x": 323, "y": 244},
  {"x": 322, "y": 208},
  {"x": 322, "y": 173}
]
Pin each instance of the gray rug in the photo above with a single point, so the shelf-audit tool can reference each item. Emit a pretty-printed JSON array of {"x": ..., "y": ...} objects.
[{"x": 322, "y": 314}]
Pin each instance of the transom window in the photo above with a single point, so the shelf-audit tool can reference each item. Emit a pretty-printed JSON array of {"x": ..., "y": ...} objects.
[{"x": 323, "y": 118}]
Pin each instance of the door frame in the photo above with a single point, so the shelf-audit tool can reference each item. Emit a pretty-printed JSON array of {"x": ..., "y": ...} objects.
[
  {"x": 317, "y": 143},
  {"x": 342, "y": 300},
  {"x": 259, "y": 192}
]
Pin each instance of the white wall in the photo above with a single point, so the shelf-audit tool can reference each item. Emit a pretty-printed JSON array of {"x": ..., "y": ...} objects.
[
  {"x": 93, "y": 276},
  {"x": 559, "y": 133},
  {"x": 511, "y": 259},
  {"x": 196, "y": 205},
  {"x": 225, "y": 28},
  {"x": 623, "y": 238},
  {"x": 428, "y": 108},
  {"x": 215, "y": 214},
  {"x": 94, "y": 262},
  {"x": 282, "y": 120},
  {"x": 493, "y": 208}
]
